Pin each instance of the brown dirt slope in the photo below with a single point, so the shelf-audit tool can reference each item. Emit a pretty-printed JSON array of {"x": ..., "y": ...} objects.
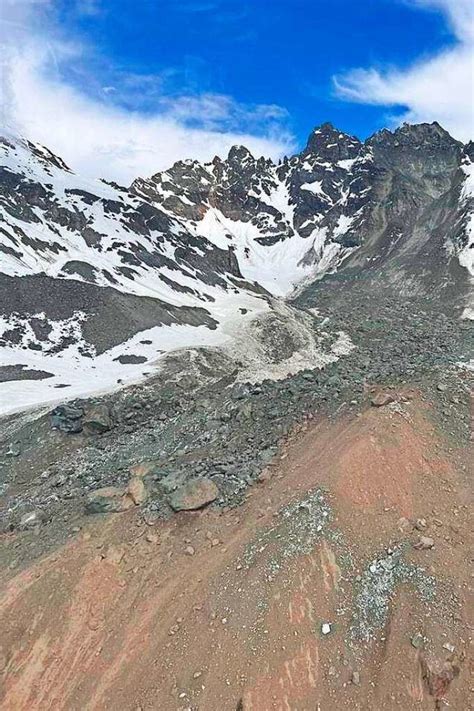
[{"x": 309, "y": 597}]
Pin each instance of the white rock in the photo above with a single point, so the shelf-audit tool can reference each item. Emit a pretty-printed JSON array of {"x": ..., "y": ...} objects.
[
  {"x": 325, "y": 628},
  {"x": 29, "y": 520}
]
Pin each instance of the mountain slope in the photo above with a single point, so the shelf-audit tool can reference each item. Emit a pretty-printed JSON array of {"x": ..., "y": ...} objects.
[
  {"x": 290, "y": 485},
  {"x": 97, "y": 281},
  {"x": 328, "y": 538}
]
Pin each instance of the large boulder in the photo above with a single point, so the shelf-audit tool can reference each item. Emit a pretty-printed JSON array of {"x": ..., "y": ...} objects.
[
  {"x": 172, "y": 481},
  {"x": 109, "y": 499},
  {"x": 381, "y": 399},
  {"x": 137, "y": 490},
  {"x": 97, "y": 419},
  {"x": 30, "y": 520},
  {"x": 194, "y": 495},
  {"x": 67, "y": 418},
  {"x": 113, "y": 499}
]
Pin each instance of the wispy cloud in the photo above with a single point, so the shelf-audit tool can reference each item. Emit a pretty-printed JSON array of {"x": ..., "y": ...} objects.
[
  {"x": 126, "y": 125},
  {"x": 459, "y": 13},
  {"x": 439, "y": 87},
  {"x": 218, "y": 111}
]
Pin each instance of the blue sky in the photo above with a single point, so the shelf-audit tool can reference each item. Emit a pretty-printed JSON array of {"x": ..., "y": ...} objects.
[
  {"x": 118, "y": 86},
  {"x": 282, "y": 52}
]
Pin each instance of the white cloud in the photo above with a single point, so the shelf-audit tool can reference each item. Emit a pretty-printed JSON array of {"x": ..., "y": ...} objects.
[
  {"x": 438, "y": 88},
  {"x": 460, "y": 14},
  {"x": 95, "y": 135}
]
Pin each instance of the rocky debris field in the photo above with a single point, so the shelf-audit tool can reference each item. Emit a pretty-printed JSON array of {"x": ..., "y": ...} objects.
[
  {"x": 341, "y": 581},
  {"x": 196, "y": 422}
]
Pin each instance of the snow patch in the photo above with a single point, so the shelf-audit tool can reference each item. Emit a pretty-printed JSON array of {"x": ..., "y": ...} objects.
[
  {"x": 276, "y": 267},
  {"x": 77, "y": 376},
  {"x": 466, "y": 255},
  {"x": 315, "y": 188}
]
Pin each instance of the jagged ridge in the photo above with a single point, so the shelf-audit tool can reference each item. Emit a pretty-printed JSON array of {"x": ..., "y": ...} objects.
[{"x": 190, "y": 252}]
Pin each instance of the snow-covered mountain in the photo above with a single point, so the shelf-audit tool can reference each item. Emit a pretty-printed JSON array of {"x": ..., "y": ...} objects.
[{"x": 97, "y": 281}]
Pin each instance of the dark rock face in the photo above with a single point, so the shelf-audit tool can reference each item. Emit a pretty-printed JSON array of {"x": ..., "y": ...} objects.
[
  {"x": 67, "y": 418},
  {"x": 21, "y": 372},
  {"x": 332, "y": 145},
  {"x": 114, "y": 316},
  {"x": 425, "y": 152},
  {"x": 390, "y": 203}
]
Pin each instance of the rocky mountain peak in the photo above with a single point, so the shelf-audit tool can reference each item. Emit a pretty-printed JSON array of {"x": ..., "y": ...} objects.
[
  {"x": 16, "y": 151},
  {"x": 7, "y": 142},
  {"x": 423, "y": 152},
  {"x": 469, "y": 151},
  {"x": 330, "y": 144},
  {"x": 240, "y": 154},
  {"x": 415, "y": 135}
]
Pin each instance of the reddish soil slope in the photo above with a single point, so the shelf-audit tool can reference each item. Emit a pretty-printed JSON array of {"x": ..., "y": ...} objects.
[{"x": 220, "y": 611}]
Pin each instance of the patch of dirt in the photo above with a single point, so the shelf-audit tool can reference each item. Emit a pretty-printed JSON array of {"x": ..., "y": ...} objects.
[{"x": 310, "y": 596}]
